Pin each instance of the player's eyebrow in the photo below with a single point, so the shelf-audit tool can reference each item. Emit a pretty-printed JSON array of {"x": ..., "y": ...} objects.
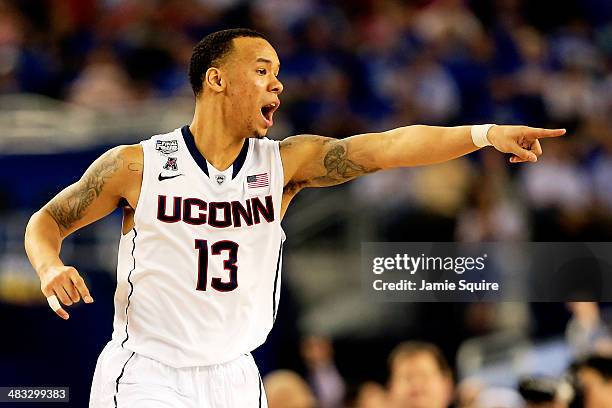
[{"x": 266, "y": 61}]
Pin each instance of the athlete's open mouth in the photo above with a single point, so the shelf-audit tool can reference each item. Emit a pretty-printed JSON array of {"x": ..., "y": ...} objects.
[{"x": 267, "y": 111}]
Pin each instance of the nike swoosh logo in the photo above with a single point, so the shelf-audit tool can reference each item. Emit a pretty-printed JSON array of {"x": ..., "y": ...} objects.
[{"x": 162, "y": 178}]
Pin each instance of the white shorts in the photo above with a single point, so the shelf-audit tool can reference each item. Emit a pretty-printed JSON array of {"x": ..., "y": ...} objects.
[{"x": 124, "y": 379}]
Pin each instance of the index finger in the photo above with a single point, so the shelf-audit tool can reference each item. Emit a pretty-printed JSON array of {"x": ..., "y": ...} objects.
[
  {"x": 81, "y": 287},
  {"x": 539, "y": 133}
]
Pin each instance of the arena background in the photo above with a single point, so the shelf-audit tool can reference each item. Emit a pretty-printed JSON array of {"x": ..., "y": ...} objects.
[{"x": 80, "y": 76}]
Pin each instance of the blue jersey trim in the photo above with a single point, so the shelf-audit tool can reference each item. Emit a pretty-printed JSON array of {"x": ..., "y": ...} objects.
[{"x": 201, "y": 161}]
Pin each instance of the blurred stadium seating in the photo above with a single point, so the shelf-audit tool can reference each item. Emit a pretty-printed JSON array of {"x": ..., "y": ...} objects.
[{"x": 79, "y": 76}]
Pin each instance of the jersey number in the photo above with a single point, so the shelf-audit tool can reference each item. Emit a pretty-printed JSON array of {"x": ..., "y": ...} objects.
[{"x": 229, "y": 264}]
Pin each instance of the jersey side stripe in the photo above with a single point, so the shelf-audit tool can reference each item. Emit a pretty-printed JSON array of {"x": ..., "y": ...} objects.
[
  {"x": 274, "y": 305},
  {"x": 127, "y": 336},
  {"x": 260, "y": 382},
  {"x": 119, "y": 378}
]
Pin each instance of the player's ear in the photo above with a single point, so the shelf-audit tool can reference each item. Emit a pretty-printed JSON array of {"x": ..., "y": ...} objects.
[{"x": 213, "y": 78}]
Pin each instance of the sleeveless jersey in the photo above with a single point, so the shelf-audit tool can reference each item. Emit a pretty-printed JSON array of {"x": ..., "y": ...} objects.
[{"x": 198, "y": 277}]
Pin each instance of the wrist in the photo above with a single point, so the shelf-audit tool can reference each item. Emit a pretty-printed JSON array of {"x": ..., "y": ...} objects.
[
  {"x": 43, "y": 269},
  {"x": 481, "y": 135}
]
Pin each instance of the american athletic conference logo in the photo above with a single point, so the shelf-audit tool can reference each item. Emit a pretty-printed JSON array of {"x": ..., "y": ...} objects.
[{"x": 171, "y": 164}]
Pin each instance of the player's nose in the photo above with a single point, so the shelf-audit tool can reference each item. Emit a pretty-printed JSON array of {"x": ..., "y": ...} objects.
[{"x": 276, "y": 86}]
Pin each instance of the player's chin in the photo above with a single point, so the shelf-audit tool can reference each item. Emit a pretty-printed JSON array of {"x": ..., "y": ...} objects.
[{"x": 260, "y": 133}]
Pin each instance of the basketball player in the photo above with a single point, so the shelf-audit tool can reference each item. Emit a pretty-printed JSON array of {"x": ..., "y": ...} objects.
[{"x": 199, "y": 262}]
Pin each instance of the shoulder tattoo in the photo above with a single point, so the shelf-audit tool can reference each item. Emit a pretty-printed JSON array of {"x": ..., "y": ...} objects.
[{"x": 69, "y": 208}]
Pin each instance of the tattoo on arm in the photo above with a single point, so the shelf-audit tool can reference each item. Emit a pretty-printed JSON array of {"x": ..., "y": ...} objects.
[
  {"x": 136, "y": 167},
  {"x": 71, "y": 208},
  {"x": 340, "y": 167},
  {"x": 337, "y": 166},
  {"x": 335, "y": 161}
]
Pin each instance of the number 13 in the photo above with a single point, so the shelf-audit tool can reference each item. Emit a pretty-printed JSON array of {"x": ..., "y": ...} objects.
[{"x": 229, "y": 265}]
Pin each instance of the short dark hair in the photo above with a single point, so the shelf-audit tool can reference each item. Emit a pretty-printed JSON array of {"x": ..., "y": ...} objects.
[
  {"x": 211, "y": 50},
  {"x": 412, "y": 348}
]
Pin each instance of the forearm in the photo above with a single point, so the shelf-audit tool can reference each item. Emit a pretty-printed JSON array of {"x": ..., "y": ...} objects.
[
  {"x": 43, "y": 241},
  {"x": 316, "y": 161},
  {"x": 421, "y": 145}
]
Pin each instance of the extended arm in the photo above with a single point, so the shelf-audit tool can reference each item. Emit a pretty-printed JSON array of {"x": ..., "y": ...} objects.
[
  {"x": 115, "y": 175},
  {"x": 316, "y": 161}
]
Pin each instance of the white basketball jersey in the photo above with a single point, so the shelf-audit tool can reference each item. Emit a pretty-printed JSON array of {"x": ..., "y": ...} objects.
[{"x": 198, "y": 277}]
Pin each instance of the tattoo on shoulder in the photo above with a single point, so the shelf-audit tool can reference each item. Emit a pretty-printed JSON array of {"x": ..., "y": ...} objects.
[
  {"x": 340, "y": 168},
  {"x": 134, "y": 166},
  {"x": 68, "y": 209}
]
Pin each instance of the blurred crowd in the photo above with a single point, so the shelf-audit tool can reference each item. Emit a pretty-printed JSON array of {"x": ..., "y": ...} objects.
[
  {"x": 353, "y": 66},
  {"x": 419, "y": 376},
  {"x": 365, "y": 65}
]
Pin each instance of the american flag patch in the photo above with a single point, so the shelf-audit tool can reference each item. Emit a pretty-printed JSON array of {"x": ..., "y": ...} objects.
[{"x": 258, "y": 180}]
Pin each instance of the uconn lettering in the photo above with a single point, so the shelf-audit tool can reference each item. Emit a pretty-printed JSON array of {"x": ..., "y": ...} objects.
[{"x": 221, "y": 214}]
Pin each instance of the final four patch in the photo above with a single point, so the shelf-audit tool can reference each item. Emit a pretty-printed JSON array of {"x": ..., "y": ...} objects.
[
  {"x": 171, "y": 164},
  {"x": 166, "y": 146}
]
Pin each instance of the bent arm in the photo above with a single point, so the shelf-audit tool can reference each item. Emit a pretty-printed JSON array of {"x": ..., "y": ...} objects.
[
  {"x": 116, "y": 174},
  {"x": 97, "y": 193},
  {"x": 316, "y": 161}
]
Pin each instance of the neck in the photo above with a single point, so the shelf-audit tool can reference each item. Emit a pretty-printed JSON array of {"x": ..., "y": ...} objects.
[{"x": 215, "y": 138}]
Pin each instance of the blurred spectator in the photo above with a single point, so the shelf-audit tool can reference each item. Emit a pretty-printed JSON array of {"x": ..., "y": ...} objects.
[
  {"x": 449, "y": 21},
  {"x": 287, "y": 12},
  {"x": 557, "y": 181},
  {"x": 429, "y": 88},
  {"x": 586, "y": 332},
  {"x": 25, "y": 65},
  {"x": 491, "y": 216},
  {"x": 103, "y": 85},
  {"x": 326, "y": 382},
  {"x": 395, "y": 185},
  {"x": 595, "y": 376},
  {"x": 286, "y": 389},
  {"x": 468, "y": 391},
  {"x": 371, "y": 395},
  {"x": 545, "y": 392},
  {"x": 420, "y": 377},
  {"x": 560, "y": 194},
  {"x": 442, "y": 189},
  {"x": 498, "y": 397},
  {"x": 570, "y": 95},
  {"x": 492, "y": 212}
]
